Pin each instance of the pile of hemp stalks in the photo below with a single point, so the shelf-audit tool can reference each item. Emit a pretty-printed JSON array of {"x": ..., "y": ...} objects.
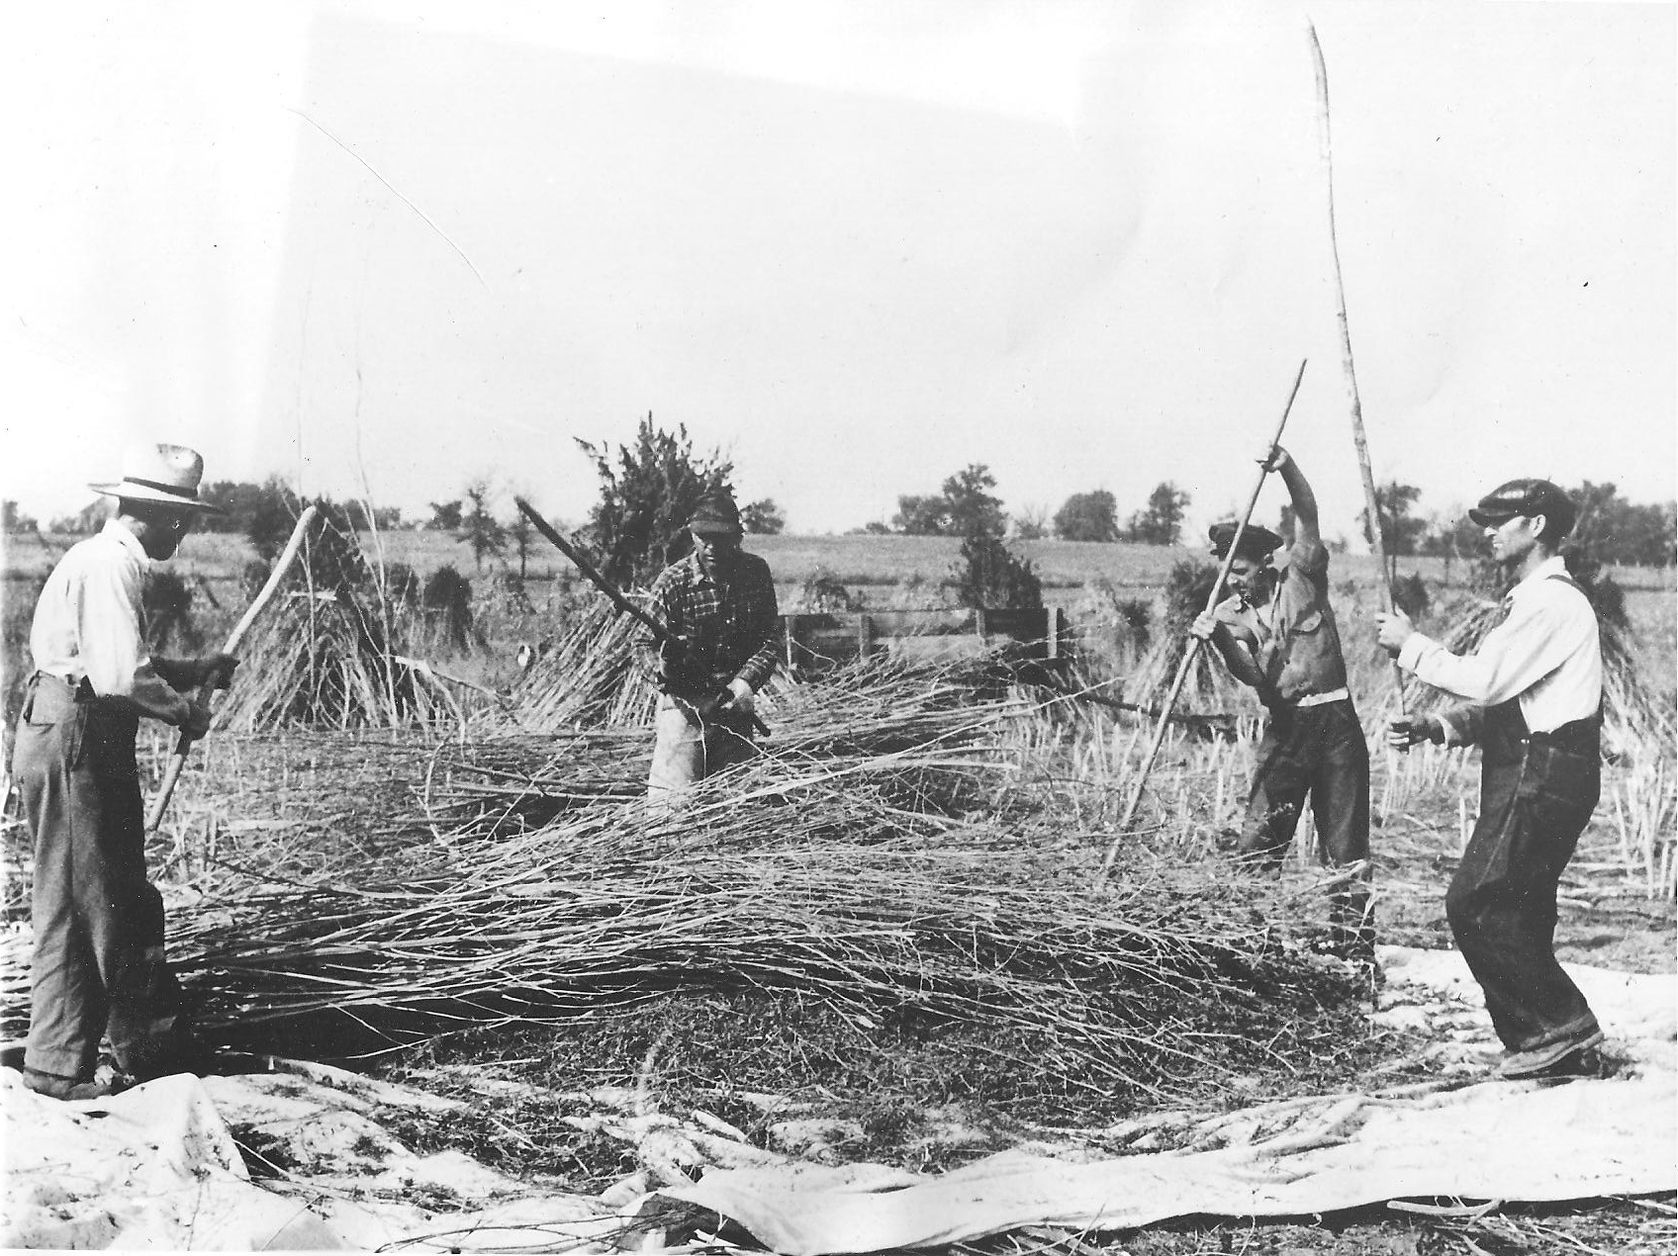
[
  {"x": 888, "y": 855},
  {"x": 885, "y": 855}
]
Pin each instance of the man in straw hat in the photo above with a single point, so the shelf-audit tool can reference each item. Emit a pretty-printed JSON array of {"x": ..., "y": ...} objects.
[
  {"x": 1533, "y": 698},
  {"x": 98, "y": 965},
  {"x": 1276, "y": 633},
  {"x": 719, "y": 606}
]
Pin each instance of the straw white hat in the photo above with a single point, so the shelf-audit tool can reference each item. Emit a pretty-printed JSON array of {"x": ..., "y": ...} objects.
[{"x": 168, "y": 474}]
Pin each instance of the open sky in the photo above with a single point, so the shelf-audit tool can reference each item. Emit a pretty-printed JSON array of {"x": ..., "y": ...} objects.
[{"x": 387, "y": 247}]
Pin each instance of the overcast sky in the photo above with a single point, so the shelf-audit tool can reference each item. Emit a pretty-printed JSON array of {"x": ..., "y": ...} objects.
[{"x": 392, "y": 247}]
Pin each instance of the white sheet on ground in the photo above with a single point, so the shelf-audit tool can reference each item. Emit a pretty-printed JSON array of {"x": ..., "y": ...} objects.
[
  {"x": 1609, "y": 1138},
  {"x": 157, "y": 1168},
  {"x": 1496, "y": 1140}
]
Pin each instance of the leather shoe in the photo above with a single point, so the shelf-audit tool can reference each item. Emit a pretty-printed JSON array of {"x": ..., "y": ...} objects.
[
  {"x": 1561, "y": 1059},
  {"x": 54, "y": 1086}
]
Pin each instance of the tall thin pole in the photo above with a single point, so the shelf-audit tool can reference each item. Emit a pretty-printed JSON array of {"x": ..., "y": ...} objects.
[
  {"x": 1372, "y": 500},
  {"x": 1192, "y": 647},
  {"x": 183, "y": 745}
]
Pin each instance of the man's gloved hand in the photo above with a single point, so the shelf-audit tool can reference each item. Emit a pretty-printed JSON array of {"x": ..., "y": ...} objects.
[
  {"x": 672, "y": 661},
  {"x": 216, "y": 667},
  {"x": 197, "y": 721},
  {"x": 1274, "y": 458},
  {"x": 1204, "y": 625},
  {"x": 711, "y": 703},
  {"x": 740, "y": 697},
  {"x": 1402, "y": 734}
]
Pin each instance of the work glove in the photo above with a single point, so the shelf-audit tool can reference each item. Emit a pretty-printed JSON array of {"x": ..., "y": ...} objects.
[
  {"x": 1404, "y": 733},
  {"x": 197, "y": 721},
  {"x": 1204, "y": 625},
  {"x": 711, "y": 703},
  {"x": 672, "y": 661},
  {"x": 1274, "y": 458},
  {"x": 740, "y": 697},
  {"x": 213, "y": 667}
]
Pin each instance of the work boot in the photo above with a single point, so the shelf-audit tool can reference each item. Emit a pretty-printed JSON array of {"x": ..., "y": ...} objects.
[
  {"x": 1579, "y": 1058},
  {"x": 1580, "y": 1062},
  {"x": 55, "y": 1086},
  {"x": 179, "y": 1051}
]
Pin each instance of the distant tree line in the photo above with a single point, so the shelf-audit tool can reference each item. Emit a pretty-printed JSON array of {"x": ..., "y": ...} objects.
[
  {"x": 964, "y": 506},
  {"x": 649, "y": 488},
  {"x": 1610, "y": 530}
]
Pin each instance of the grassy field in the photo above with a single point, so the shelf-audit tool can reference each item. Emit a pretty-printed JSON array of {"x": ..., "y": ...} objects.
[{"x": 880, "y": 572}]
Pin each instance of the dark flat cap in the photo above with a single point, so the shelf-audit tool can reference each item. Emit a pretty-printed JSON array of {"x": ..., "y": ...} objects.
[
  {"x": 1525, "y": 498},
  {"x": 1256, "y": 541},
  {"x": 717, "y": 514}
]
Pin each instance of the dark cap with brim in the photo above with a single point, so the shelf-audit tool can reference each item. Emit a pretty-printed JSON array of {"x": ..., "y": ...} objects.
[
  {"x": 1256, "y": 541},
  {"x": 717, "y": 515},
  {"x": 1525, "y": 499}
]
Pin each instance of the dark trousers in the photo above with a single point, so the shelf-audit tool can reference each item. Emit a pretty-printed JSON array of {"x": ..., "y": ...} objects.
[
  {"x": 1319, "y": 753},
  {"x": 1502, "y": 901},
  {"x": 98, "y": 966}
]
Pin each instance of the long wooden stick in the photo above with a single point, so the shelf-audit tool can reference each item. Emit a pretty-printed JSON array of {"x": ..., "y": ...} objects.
[
  {"x": 1193, "y": 646},
  {"x": 1372, "y": 499},
  {"x": 183, "y": 745},
  {"x": 660, "y": 633}
]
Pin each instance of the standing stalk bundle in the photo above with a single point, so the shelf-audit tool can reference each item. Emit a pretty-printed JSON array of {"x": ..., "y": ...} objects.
[
  {"x": 325, "y": 661},
  {"x": 588, "y": 677}
]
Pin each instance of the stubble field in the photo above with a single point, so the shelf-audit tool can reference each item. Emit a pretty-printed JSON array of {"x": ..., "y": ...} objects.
[{"x": 321, "y": 806}]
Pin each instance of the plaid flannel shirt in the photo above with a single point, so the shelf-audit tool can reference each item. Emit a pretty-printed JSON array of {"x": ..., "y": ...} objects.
[{"x": 729, "y": 625}]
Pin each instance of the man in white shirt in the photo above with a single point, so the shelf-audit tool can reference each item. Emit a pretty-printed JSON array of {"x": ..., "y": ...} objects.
[
  {"x": 1533, "y": 697},
  {"x": 98, "y": 965}
]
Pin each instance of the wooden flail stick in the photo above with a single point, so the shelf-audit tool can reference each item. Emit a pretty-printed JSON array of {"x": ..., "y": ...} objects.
[
  {"x": 1192, "y": 648},
  {"x": 1372, "y": 499},
  {"x": 571, "y": 550},
  {"x": 183, "y": 746}
]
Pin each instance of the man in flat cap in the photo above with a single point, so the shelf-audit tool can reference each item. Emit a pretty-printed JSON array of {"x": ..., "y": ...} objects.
[
  {"x": 98, "y": 965},
  {"x": 719, "y": 606},
  {"x": 1276, "y": 633},
  {"x": 1532, "y": 698}
]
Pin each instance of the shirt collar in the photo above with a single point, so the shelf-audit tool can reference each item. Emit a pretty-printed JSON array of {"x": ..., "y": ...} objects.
[
  {"x": 119, "y": 533},
  {"x": 1554, "y": 565}
]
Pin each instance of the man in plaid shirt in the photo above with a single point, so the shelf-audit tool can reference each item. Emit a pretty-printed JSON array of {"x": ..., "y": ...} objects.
[{"x": 719, "y": 606}]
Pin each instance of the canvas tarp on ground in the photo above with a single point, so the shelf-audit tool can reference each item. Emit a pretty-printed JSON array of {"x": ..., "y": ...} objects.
[
  {"x": 158, "y": 1167},
  {"x": 1493, "y": 1140}
]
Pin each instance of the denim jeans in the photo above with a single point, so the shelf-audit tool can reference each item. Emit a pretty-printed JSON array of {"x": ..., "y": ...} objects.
[
  {"x": 1319, "y": 753},
  {"x": 1316, "y": 752},
  {"x": 1502, "y": 900}
]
